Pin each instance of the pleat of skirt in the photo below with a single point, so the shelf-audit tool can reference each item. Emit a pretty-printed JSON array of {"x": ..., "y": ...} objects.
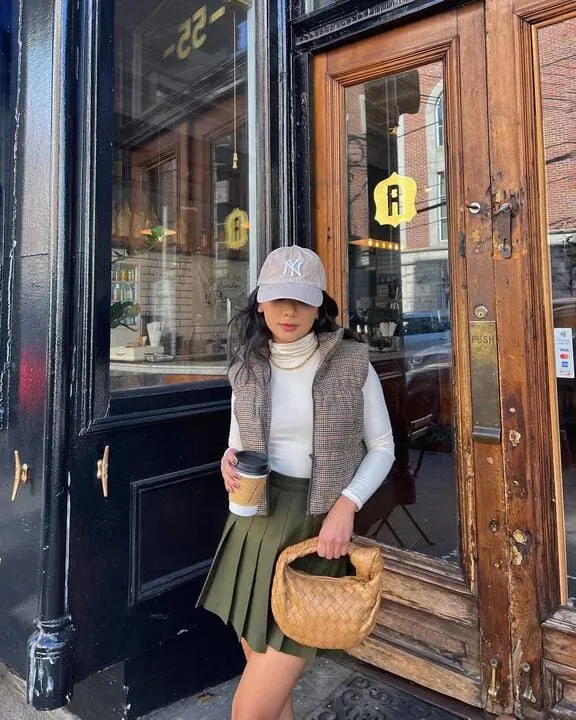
[{"x": 239, "y": 584}]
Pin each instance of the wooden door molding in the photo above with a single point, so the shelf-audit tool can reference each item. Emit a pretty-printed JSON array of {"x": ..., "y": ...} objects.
[
  {"x": 559, "y": 665},
  {"x": 428, "y": 628},
  {"x": 560, "y": 691},
  {"x": 530, "y": 446},
  {"x": 541, "y": 11},
  {"x": 559, "y": 629}
]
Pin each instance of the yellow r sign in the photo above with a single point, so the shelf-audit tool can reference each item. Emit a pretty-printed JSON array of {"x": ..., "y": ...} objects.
[
  {"x": 395, "y": 200},
  {"x": 236, "y": 227}
]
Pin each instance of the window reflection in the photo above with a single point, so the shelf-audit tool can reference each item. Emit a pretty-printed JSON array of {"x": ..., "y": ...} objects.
[
  {"x": 558, "y": 88},
  {"x": 181, "y": 232},
  {"x": 399, "y": 298}
]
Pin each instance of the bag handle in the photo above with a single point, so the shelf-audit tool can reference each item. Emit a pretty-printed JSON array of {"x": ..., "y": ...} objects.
[{"x": 366, "y": 560}]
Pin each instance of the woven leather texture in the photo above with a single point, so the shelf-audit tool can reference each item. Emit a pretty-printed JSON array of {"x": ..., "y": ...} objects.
[{"x": 325, "y": 612}]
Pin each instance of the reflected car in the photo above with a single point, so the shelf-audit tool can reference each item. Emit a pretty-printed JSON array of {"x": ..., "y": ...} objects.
[{"x": 426, "y": 337}]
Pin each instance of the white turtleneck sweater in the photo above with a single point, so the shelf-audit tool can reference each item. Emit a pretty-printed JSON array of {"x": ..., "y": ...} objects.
[{"x": 290, "y": 442}]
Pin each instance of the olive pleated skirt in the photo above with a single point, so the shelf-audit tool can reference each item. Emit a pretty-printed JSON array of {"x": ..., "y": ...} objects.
[{"x": 239, "y": 584}]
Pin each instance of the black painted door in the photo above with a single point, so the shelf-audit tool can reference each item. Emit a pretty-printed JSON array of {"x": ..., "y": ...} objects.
[{"x": 165, "y": 254}]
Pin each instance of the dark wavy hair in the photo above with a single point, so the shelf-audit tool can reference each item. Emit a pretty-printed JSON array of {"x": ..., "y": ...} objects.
[{"x": 248, "y": 334}]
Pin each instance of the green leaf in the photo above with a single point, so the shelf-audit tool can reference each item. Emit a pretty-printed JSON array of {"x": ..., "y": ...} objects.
[{"x": 121, "y": 310}]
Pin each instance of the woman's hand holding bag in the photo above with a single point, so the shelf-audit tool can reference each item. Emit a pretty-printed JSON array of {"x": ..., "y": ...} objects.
[
  {"x": 326, "y": 612},
  {"x": 337, "y": 528}
]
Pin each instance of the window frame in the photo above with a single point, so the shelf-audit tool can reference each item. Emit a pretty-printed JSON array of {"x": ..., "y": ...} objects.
[
  {"x": 97, "y": 403},
  {"x": 439, "y": 119},
  {"x": 443, "y": 218}
]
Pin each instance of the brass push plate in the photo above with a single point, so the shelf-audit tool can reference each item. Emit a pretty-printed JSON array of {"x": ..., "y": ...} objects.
[{"x": 485, "y": 391}]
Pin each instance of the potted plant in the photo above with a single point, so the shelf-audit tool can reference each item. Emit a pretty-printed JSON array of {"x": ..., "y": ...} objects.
[{"x": 122, "y": 310}]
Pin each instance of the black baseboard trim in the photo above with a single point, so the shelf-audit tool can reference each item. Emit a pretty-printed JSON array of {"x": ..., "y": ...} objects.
[{"x": 206, "y": 655}]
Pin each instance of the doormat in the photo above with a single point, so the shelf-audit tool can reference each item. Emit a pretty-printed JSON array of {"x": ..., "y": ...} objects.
[{"x": 361, "y": 698}]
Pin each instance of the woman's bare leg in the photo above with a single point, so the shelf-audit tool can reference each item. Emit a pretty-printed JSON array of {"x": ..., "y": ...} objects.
[
  {"x": 288, "y": 710},
  {"x": 247, "y": 650},
  {"x": 265, "y": 688}
]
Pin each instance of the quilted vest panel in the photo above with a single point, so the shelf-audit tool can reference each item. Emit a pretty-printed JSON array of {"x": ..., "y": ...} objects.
[{"x": 338, "y": 445}]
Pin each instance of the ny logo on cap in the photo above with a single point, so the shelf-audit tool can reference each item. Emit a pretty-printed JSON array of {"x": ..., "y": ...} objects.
[{"x": 293, "y": 268}]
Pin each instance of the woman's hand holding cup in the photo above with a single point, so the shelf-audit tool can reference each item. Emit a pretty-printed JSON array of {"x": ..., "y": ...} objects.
[
  {"x": 245, "y": 474},
  {"x": 228, "y": 470}
]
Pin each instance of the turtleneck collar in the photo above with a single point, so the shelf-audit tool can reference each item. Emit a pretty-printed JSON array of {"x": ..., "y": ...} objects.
[{"x": 288, "y": 355}]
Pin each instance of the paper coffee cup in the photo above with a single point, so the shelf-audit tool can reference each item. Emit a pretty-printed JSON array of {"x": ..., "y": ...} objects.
[{"x": 253, "y": 470}]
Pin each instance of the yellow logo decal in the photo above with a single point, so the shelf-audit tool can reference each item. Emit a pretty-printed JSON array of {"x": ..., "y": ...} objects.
[
  {"x": 395, "y": 200},
  {"x": 236, "y": 225}
]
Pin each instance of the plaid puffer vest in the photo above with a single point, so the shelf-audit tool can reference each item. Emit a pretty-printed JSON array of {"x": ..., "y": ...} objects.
[{"x": 338, "y": 441}]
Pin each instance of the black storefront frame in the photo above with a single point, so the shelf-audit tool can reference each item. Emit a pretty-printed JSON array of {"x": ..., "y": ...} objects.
[
  {"x": 50, "y": 646},
  {"x": 8, "y": 83}
]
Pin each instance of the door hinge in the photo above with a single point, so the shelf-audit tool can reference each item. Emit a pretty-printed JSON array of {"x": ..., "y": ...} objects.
[
  {"x": 494, "y": 684},
  {"x": 102, "y": 470},
  {"x": 528, "y": 693},
  {"x": 20, "y": 474}
]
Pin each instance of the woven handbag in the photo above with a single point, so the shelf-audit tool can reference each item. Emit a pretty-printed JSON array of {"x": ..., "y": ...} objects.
[{"x": 326, "y": 612}]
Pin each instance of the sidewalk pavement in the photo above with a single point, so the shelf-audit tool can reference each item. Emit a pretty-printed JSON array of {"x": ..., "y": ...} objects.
[
  {"x": 316, "y": 684},
  {"x": 330, "y": 689},
  {"x": 13, "y": 701}
]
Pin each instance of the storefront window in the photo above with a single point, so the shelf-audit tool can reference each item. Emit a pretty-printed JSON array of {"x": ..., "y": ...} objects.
[
  {"x": 399, "y": 296},
  {"x": 183, "y": 230},
  {"x": 558, "y": 105}
]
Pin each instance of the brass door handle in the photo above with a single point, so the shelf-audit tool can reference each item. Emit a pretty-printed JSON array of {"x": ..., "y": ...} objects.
[
  {"x": 504, "y": 216},
  {"x": 102, "y": 470},
  {"x": 20, "y": 474}
]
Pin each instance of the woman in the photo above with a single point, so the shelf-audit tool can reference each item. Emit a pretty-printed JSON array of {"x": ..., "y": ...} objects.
[{"x": 305, "y": 394}]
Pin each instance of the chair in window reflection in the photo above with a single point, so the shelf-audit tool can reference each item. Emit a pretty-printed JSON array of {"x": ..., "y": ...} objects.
[
  {"x": 566, "y": 415},
  {"x": 403, "y": 491},
  {"x": 421, "y": 414}
]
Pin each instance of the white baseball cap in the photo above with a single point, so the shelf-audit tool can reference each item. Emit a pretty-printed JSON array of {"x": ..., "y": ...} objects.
[{"x": 292, "y": 273}]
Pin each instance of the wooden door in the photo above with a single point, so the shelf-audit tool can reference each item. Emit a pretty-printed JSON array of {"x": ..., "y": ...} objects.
[{"x": 404, "y": 221}]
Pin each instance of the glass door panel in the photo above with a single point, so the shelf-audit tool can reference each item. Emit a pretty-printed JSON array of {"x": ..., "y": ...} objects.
[
  {"x": 181, "y": 236},
  {"x": 399, "y": 295},
  {"x": 557, "y": 65}
]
